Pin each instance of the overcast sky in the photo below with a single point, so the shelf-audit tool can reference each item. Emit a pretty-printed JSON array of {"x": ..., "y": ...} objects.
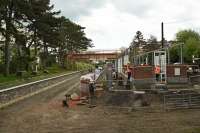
[{"x": 112, "y": 24}]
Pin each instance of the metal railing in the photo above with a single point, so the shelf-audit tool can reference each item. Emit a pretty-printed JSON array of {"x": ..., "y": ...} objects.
[
  {"x": 195, "y": 79},
  {"x": 181, "y": 101}
]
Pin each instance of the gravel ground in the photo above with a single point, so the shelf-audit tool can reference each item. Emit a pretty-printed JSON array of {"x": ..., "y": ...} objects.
[{"x": 44, "y": 113}]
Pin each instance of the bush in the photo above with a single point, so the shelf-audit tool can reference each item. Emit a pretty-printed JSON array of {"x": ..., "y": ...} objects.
[{"x": 83, "y": 66}]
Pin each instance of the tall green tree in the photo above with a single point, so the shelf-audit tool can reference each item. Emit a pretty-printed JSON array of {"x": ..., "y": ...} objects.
[
  {"x": 71, "y": 39},
  {"x": 11, "y": 18},
  {"x": 191, "y": 46},
  {"x": 34, "y": 25},
  {"x": 137, "y": 45},
  {"x": 185, "y": 35}
]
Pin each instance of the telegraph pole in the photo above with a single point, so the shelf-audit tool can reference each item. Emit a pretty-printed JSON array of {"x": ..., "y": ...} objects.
[{"x": 162, "y": 34}]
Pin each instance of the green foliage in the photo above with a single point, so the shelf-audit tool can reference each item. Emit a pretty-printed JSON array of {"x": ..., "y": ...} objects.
[
  {"x": 152, "y": 44},
  {"x": 32, "y": 28},
  {"x": 174, "y": 54},
  {"x": 137, "y": 45},
  {"x": 13, "y": 79},
  {"x": 138, "y": 41},
  {"x": 191, "y": 46},
  {"x": 84, "y": 66},
  {"x": 55, "y": 69},
  {"x": 71, "y": 39},
  {"x": 7, "y": 79},
  {"x": 185, "y": 35}
]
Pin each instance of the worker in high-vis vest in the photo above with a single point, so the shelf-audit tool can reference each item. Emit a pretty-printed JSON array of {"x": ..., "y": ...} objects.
[
  {"x": 157, "y": 69},
  {"x": 157, "y": 72}
]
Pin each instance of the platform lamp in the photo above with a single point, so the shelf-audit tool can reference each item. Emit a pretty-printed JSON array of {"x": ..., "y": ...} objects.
[{"x": 193, "y": 59}]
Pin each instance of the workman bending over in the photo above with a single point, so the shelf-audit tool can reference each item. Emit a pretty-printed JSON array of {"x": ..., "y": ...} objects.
[{"x": 157, "y": 72}]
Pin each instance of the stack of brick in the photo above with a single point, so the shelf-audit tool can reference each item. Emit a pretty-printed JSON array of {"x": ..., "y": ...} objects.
[
  {"x": 143, "y": 72},
  {"x": 143, "y": 76}
]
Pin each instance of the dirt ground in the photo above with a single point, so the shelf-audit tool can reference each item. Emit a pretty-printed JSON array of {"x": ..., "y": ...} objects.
[{"x": 44, "y": 113}]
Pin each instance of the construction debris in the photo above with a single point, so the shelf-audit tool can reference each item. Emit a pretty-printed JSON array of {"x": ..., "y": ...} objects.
[{"x": 75, "y": 97}]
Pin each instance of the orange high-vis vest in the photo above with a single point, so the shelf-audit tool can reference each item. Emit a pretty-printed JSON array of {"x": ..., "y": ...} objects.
[{"x": 157, "y": 70}]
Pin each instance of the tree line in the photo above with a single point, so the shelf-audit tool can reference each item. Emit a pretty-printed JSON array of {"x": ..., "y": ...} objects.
[
  {"x": 32, "y": 28},
  {"x": 188, "y": 39}
]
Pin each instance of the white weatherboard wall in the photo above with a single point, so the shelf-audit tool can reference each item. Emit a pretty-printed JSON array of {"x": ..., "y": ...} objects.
[
  {"x": 126, "y": 59},
  {"x": 160, "y": 60},
  {"x": 115, "y": 65},
  {"x": 120, "y": 65}
]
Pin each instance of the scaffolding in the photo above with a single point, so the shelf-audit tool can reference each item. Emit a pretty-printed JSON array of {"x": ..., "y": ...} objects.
[{"x": 152, "y": 59}]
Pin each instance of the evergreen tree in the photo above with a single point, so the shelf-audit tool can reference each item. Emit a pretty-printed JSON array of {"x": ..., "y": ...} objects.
[
  {"x": 152, "y": 44},
  {"x": 137, "y": 45}
]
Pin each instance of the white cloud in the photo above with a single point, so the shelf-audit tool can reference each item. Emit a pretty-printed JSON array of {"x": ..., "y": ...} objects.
[
  {"x": 113, "y": 23},
  {"x": 109, "y": 28},
  {"x": 73, "y": 9}
]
